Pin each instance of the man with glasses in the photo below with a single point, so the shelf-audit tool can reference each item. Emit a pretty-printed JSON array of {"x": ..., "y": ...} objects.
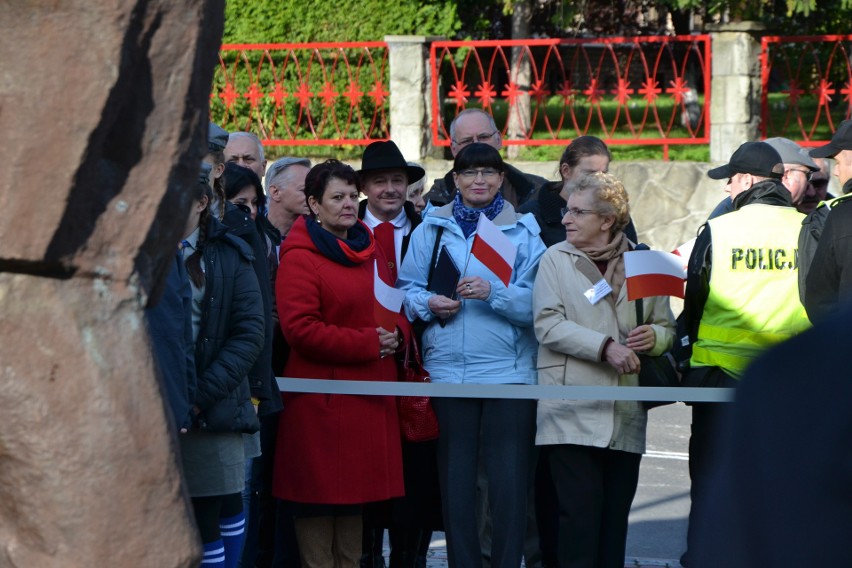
[
  {"x": 817, "y": 190},
  {"x": 475, "y": 125},
  {"x": 741, "y": 294}
]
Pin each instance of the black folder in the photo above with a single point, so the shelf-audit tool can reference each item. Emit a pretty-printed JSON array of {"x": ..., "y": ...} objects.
[{"x": 446, "y": 276}]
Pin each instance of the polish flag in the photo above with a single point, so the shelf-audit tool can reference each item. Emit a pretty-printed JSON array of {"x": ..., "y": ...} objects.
[
  {"x": 494, "y": 249},
  {"x": 653, "y": 273},
  {"x": 388, "y": 301}
]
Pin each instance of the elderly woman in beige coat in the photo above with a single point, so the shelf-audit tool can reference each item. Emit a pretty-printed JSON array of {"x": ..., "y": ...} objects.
[{"x": 589, "y": 335}]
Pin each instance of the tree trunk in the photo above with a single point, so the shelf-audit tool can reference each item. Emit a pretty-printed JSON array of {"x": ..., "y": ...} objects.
[{"x": 521, "y": 74}]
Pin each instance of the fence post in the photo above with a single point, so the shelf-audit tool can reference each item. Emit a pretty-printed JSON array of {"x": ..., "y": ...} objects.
[
  {"x": 410, "y": 94},
  {"x": 735, "y": 91}
]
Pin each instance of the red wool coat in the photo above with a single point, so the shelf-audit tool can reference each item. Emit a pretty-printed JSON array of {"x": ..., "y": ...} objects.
[{"x": 335, "y": 449}]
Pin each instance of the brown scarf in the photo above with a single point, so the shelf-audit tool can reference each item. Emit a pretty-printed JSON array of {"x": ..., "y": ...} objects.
[{"x": 613, "y": 255}]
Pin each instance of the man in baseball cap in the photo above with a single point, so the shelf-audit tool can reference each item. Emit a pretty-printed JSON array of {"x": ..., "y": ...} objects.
[
  {"x": 840, "y": 148},
  {"x": 741, "y": 294}
]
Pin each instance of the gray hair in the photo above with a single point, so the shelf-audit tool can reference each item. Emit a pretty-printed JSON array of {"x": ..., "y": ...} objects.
[
  {"x": 281, "y": 165},
  {"x": 466, "y": 112},
  {"x": 419, "y": 184},
  {"x": 251, "y": 136}
]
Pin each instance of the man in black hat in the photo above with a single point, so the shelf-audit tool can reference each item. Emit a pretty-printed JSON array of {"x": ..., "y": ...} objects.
[
  {"x": 829, "y": 276},
  {"x": 475, "y": 125},
  {"x": 741, "y": 292},
  {"x": 385, "y": 177}
]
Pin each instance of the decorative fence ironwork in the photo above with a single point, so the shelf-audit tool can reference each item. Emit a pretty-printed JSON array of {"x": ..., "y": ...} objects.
[
  {"x": 806, "y": 84},
  {"x": 300, "y": 94},
  {"x": 639, "y": 90}
]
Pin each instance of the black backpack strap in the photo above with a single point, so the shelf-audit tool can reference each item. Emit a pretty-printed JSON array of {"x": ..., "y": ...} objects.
[{"x": 434, "y": 256}]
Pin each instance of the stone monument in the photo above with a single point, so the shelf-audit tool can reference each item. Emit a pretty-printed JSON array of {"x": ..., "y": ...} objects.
[{"x": 103, "y": 121}]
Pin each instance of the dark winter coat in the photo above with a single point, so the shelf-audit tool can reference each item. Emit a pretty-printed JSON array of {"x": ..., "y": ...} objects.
[
  {"x": 230, "y": 335},
  {"x": 829, "y": 279},
  {"x": 254, "y": 233},
  {"x": 170, "y": 329}
]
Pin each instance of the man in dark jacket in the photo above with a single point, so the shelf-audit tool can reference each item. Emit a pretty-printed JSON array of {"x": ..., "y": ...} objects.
[
  {"x": 475, "y": 125},
  {"x": 385, "y": 177},
  {"x": 829, "y": 277},
  {"x": 741, "y": 293},
  {"x": 781, "y": 493}
]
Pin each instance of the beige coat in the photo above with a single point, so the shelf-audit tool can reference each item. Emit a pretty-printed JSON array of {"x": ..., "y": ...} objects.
[{"x": 572, "y": 333}]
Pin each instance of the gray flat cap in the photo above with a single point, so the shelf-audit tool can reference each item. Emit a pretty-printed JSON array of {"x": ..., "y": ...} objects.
[
  {"x": 792, "y": 153},
  {"x": 217, "y": 138}
]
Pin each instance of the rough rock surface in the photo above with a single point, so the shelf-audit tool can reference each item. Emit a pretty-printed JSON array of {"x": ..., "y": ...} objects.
[{"x": 103, "y": 110}]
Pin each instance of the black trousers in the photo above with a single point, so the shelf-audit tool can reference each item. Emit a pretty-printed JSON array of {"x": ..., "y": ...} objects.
[
  {"x": 595, "y": 489},
  {"x": 703, "y": 450},
  {"x": 507, "y": 429},
  {"x": 703, "y": 458}
]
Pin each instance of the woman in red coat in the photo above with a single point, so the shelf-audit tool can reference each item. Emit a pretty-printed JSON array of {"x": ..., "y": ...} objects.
[{"x": 334, "y": 452}]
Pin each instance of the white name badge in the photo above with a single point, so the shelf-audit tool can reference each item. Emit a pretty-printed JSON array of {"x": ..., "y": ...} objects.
[{"x": 598, "y": 292}]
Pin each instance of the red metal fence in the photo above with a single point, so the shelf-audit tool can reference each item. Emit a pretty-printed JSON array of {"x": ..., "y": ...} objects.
[
  {"x": 303, "y": 94},
  {"x": 806, "y": 84},
  {"x": 640, "y": 90}
]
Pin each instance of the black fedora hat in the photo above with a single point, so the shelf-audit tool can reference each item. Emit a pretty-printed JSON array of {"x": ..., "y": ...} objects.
[{"x": 384, "y": 155}]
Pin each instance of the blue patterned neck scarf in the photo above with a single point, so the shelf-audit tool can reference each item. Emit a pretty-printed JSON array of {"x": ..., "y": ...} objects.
[{"x": 467, "y": 218}]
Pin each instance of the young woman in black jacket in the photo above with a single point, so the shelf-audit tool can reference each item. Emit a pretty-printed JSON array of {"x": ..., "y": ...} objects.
[{"x": 228, "y": 331}]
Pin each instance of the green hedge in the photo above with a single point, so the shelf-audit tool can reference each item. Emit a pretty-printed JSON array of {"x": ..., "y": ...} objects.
[{"x": 276, "y": 21}]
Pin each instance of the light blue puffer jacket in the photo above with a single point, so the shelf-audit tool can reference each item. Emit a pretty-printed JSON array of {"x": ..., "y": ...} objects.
[{"x": 492, "y": 341}]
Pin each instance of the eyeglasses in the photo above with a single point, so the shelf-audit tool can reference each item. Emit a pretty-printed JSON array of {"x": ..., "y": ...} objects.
[
  {"x": 482, "y": 137},
  {"x": 819, "y": 183},
  {"x": 488, "y": 174},
  {"x": 575, "y": 212},
  {"x": 806, "y": 173}
]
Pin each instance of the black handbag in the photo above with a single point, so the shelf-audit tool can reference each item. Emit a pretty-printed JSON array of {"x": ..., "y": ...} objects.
[{"x": 656, "y": 371}]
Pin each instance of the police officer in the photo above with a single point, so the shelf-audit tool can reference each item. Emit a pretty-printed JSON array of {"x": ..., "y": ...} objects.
[
  {"x": 829, "y": 278},
  {"x": 741, "y": 291}
]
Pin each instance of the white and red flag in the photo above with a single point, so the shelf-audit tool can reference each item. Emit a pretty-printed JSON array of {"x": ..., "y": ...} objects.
[
  {"x": 494, "y": 249},
  {"x": 685, "y": 251},
  {"x": 388, "y": 301},
  {"x": 653, "y": 273}
]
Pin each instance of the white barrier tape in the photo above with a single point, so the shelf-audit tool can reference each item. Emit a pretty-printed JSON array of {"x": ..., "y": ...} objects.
[{"x": 536, "y": 392}]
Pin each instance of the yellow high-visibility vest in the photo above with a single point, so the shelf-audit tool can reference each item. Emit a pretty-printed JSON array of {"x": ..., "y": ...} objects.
[{"x": 754, "y": 297}]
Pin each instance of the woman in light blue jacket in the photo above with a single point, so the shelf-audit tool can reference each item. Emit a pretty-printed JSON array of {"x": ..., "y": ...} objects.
[{"x": 485, "y": 336}]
